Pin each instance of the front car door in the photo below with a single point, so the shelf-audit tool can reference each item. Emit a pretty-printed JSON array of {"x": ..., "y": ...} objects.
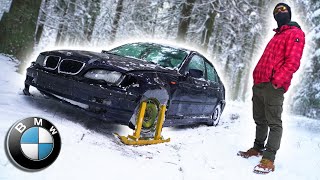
[{"x": 190, "y": 96}]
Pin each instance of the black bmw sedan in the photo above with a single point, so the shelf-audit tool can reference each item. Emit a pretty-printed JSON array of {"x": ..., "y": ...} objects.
[{"x": 112, "y": 84}]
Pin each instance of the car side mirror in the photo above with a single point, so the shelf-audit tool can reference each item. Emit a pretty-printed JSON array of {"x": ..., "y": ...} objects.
[{"x": 196, "y": 73}]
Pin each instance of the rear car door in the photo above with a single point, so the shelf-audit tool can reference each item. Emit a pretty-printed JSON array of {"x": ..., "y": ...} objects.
[{"x": 213, "y": 88}]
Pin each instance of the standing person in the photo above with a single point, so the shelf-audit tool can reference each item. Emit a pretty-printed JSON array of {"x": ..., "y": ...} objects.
[{"x": 272, "y": 77}]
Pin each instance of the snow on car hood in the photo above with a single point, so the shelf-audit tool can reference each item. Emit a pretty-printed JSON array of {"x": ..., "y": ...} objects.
[{"x": 113, "y": 61}]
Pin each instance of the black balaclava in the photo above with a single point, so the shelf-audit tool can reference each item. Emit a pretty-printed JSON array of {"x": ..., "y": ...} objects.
[{"x": 283, "y": 18}]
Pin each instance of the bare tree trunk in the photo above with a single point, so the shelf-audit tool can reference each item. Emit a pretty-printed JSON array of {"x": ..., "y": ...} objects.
[
  {"x": 207, "y": 31},
  {"x": 172, "y": 10},
  {"x": 70, "y": 23},
  {"x": 93, "y": 12},
  {"x": 185, "y": 17},
  {"x": 40, "y": 23},
  {"x": 116, "y": 20},
  {"x": 17, "y": 28},
  {"x": 237, "y": 89},
  {"x": 250, "y": 58},
  {"x": 61, "y": 27},
  {"x": 227, "y": 70},
  {"x": 67, "y": 17},
  {"x": 247, "y": 75},
  {"x": 154, "y": 21},
  {"x": 216, "y": 48}
]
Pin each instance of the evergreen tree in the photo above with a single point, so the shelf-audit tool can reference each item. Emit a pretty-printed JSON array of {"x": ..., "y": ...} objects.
[
  {"x": 17, "y": 28},
  {"x": 185, "y": 18}
]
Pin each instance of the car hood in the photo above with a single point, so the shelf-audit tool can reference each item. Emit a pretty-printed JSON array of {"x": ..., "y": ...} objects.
[{"x": 111, "y": 61}]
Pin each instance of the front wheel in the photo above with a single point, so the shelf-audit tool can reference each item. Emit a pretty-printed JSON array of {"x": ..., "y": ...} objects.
[
  {"x": 151, "y": 117},
  {"x": 215, "y": 118}
]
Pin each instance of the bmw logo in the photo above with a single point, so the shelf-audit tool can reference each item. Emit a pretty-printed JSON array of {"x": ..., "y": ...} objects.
[{"x": 33, "y": 143}]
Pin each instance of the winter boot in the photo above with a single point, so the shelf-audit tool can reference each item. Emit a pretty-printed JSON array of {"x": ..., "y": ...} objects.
[
  {"x": 264, "y": 167},
  {"x": 251, "y": 152}
]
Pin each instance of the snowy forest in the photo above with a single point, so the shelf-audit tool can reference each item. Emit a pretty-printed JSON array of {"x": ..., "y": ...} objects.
[{"x": 231, "y": 33}]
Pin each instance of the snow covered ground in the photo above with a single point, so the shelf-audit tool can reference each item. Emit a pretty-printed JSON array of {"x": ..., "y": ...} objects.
[{"x": 90, "y": 150}]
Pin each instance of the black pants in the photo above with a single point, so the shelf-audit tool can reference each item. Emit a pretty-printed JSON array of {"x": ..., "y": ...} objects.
[{"x": 267, "y": 109}]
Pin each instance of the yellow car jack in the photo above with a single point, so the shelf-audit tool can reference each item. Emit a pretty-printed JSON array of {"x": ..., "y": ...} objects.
[{"x": 135, "y": 139}]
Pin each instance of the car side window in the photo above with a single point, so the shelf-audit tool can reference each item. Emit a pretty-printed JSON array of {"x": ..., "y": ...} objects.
[
  {"x": 196, "y": 62},
  {"x": 211, "y": 73}
]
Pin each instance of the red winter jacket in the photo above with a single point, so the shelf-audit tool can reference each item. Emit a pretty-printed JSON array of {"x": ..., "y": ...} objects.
[{"x": 281, "y": 58}]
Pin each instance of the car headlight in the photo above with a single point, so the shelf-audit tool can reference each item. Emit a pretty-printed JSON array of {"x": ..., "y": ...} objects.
[{"x": 113, "y": 77}]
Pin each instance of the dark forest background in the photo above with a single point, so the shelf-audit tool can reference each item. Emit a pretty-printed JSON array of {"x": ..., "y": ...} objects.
[{"x": 232, "y": 33}]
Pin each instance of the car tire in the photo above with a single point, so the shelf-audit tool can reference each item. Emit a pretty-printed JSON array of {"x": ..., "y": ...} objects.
[
  {"x": 151, "y": 117},
  {"x": 215, "y": 118}
]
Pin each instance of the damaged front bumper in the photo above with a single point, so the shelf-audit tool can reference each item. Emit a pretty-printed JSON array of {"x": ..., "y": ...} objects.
[{"x": 111, "y": 103}]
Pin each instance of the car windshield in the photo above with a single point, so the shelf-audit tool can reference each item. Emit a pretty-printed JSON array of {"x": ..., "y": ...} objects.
[{"x": 163, "y": 55}]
